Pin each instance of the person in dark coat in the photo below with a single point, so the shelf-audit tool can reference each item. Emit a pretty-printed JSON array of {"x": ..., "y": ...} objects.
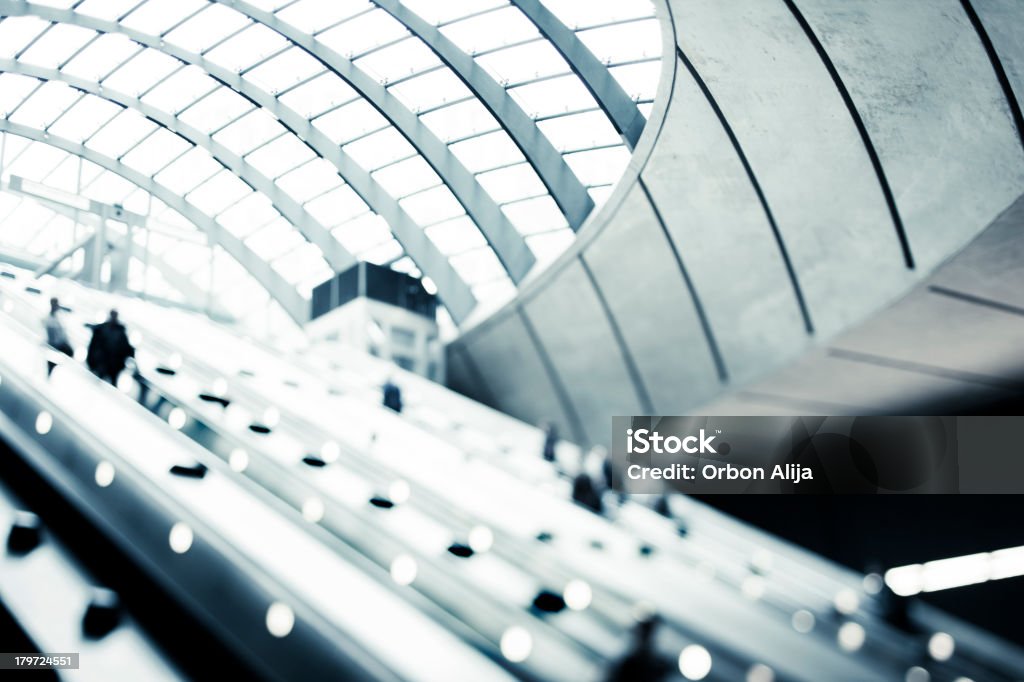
[
  {"x": 585, "y": 493},
  {"x": 56, "y": 336},
  {"x": 642, "y": 663},
  {"x": 392, "y": 395},
  {"x": 109, "y": 349},
  {"x": 550, "y": 441}
]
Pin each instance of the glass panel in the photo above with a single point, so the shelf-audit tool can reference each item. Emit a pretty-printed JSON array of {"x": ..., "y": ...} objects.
[
  {"x": 310, "y": 180},
  {"x": 363, "y": 233},
  {"x": 219, "y": 192},
  {"x": 318, "y": 95},
  {"x": 207, "y": 28},
  {"x": 249, "y": 214},
  {"x": 432, "y": 206},
  {"x": 17, "y": 32},
  {"x": 106, "y": 9},
  {"x": 85, "y": 118},
  {"x": 187, "y": 172},
  {"x": 599, "y": 166},
  {"x": 362, "y": 33},
  {"x": 380, "y": 148},
  {"x": 514, "y": 182},
  {"x": 250, "y": 131},
  {"x": 548, "y": 246},
  {"x": 277, "y": 238},
  {"x": 286, "y": 69},
  {"x": 350, "y": 121},
  {"x": 589, "y": 129},
  {"x": 280, "y": 156},
  {"x": 121, "y": 134},
  {"x": 56, "y": 45},
  {"x": 430, "y": 90},
  {"x": 624, "y": 42},
  {"x": 184, "y": 87},
  {"x": 477, "y": 266},
  {"x": 385, "y": 253},
  {"x": 640, "y": 81},
  {"x": 460, "y": 120},
  {"x": 337, "y": 206},
  {"x": 399, "y": 60},
  {"x": 441, "y": 12},
  {"x": 523, "y": 62},
  {"x": 535, "y": 215},
  {"x": 456, "y": 235},
  {"x": 13, "y": 90},
  {"x": 142, "y": 72},
  {"x": 158, "y": 150},
  {"x": 575, "y": 13},
  {"x": 159, "y": 16},
  {"x": 407, "y": 176},
  {"x": 102, "y": 56},
  {"x": 486, "y": 152},
  {"x": 216, "y": 110},
  {"x": 45, "y": 104},
  {"x": 501, "y": 27},
  {"x": 553, "y": 96},
  {"x": 248, "y": 47},
  {"x": 311, "y": 16}
]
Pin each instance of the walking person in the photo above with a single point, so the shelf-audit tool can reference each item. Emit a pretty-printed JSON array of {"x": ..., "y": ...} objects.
[
  {"x": 392, "y": 395},
  {"x": 56, "y": 336},
  {"x": 109, "y": 349}
]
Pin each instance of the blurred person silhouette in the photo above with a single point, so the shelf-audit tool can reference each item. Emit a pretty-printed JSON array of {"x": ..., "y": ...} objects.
[
  {"x": 586, "y": 494},
  {"x": 109, "y": 349},
  {"x": 550, "y": 441},
  {"x": 642, "y": 663},
  {"x": 56, "y": 336},
  {"x": 392, "y": 395}
]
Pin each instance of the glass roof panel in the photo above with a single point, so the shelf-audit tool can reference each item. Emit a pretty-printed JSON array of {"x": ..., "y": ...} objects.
[
  {"x": 318, "y": 95},
  {"x": 430, "y": 90},
  {"x": 188, "y": 171},
  {"x": 535, "y": 215},
  {"x": 274, "y": 239},
  {"x": 405, "y": 177},
  {"x": 109, "y": 188},
  {"x": 85, "y": 118},
  {"x": 216, "y": 110},
  {"x": 599, "y": 166},
  {"x": 493, "y": 29},
  {"x": 106, "y": 9},
  {"x": 101, "y": 57},
  {"x": 574, "y": 13},
  {"x": 514, "y": 182},
  {"x": 478, "y": 265},
  {"x": 159, "y": 16},
  {"x": 207, "y": 28},
  {"x": 55, "y": 46},
  {"x": 244, "y": 49},
  {"x": 432, "y": 205},
  {"x": 219, "y": 192},
  {"x": 17, "y": 32},
  {"x": 252, "y": 212},
  {"x": 45, "y": 104},
  {"x": 523, "y": 62},
  {"x": 310, "y": 180},
  {"x": 441, "y": 12},
  {"x": 311, "y": 16},
  {"x": 459, "y": 120},
  {"x": 156, "y": 151},
  {"x": 624, "y": 42},
  {"x": 488, "y": 151},
  {"x": 288, "y": 68},
  {"x": 381, "y": 148},
  {"x": 363, "y": 233},
  {"x": 180, "y": 89},
  {"x": 250, "y": 131},
  {"x": 549, "y": 245},
  {"x": 14, "y": 88},
  {"x": 399, "y": 60},
  {"x": 455, "y": 236},
  {"x": 121, "y": 133},
  {"x": 589, "y": 129},
  {"x": 142, "y": 72},
  {"x": 640, "y": 81},
  {"x": 362, "y": 32},
  {"x": 384, "y": 254},
  {"x": 337, "y": 206},
  {"x": 350, "y": 121},
  {"x": 280, "y": 156},
  {"x": 296, "y": 265},
  {"x": 553, "y": 96}
]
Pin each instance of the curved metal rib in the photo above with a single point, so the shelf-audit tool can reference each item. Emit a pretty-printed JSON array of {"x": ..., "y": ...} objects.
[
  {"x": 620, "y": 108},
  {"x": 279, "y": 289},
  {"x": 453, "y": 291},
  {"x": 565, "y": 188},
  {"x": 509, "y": 246}
]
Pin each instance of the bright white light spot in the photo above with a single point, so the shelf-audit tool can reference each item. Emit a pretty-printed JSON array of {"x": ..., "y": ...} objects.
[
  {"x": 398, "y": 492},
  {"x": 803, "y": 621},
  {"x": 481, "y": 539},
  {"x": 104, "y": 474},
  {"x": 280, "y": 619},
  {"x": 963, "y": 679},
  {"x": 238, "y": 460},
  {"x": 180, "y": 538},
  {"x": 577, "y": 595},
  {"x": 330, "y": 451},
  {"x": 313, "y": 510},
  {"x": 516, "y": 644},
  {"x": 851, "y": 636},
  {"x": 753, "y": 587},
  {"x": 403, "y": 569},
  {"x": 694, "y": 662},
  {"x": 81, "y": 354},
  {"x": 905, "y": 580},
  {"x": 759, "y": 672},
  {"x": 175, "y": 361},
  {"x": 177, "y": 418},
  {"x": 125, "y": 383},
  {"x": 220, "y": 386},
  {"x": 956, "y": 572},
  {"x": 271, "y": 416},
  {"x": 917, "y": 674},
  {"x": 44, "y": 422},
  {"x": 941, "y": 646},
  {"x": 846, "y": 601}
]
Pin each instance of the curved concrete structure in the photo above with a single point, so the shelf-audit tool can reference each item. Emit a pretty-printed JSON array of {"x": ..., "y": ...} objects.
[{"x": 806, "y": 165}]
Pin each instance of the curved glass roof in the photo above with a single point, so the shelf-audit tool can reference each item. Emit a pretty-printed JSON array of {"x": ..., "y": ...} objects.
[{"x": 270, "y": 143}]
